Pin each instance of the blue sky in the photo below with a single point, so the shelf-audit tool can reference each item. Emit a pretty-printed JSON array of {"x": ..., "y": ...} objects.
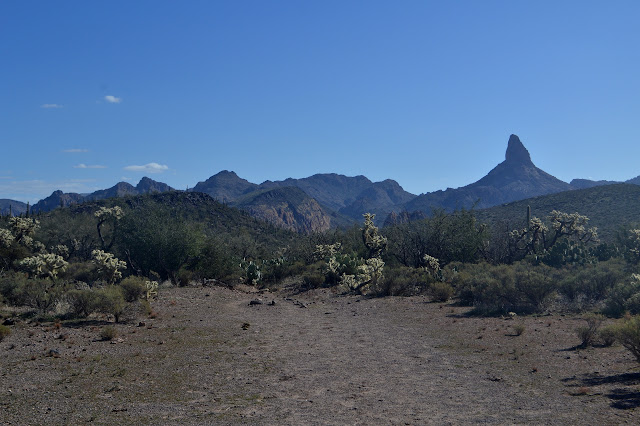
[{"x": 426, "y": 93}]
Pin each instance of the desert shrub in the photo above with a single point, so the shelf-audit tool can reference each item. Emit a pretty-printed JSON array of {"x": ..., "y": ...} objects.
[
  {"x": 498, "y": 289},
  {"x": 4, "y": 332},
  {"x": 275, "y": 270},
  {"x": 80, "y": 271},
  {"x": 11, "y": 284},
  {"x": 592, "y": 282},
  {"x": 403, "y": 281},
  {"x": 607, "y": 335},
  {"x": 627, "y": 332},
  {"x": 83, "y": 302},
  {"x": 589, "y": 333},
  {"x": 108, "y": 333},
  {"x": 535, "y": 285},
  {"x": 110, "y": 301},
  {"x": 184, "y": 277},
  {"x": 518, "y": 329},
  {"x": 313, "y": 280},
  {"x": 41, "y": 294},
  {"x": 133, "y": 288},
  {"x": 490, "y": 289},
  {"x": 440, "y": 291},
  {"x": 623, "y": 297}
]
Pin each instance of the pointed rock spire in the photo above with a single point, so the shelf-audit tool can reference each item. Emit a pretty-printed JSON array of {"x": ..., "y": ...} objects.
[{"x": 516, "y": 152}]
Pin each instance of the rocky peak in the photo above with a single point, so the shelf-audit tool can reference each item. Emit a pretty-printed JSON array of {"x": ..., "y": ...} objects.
[{"x": 516, "y": 152}]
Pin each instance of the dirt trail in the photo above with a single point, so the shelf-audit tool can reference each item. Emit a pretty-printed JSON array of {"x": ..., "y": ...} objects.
[{"x": 210, "y": 358}]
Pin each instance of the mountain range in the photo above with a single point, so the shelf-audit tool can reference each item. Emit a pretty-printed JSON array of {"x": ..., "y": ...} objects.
[{"x": 324, "y": 201}]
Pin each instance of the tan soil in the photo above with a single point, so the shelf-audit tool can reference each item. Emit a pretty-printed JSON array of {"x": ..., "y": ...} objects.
[{"x": 337, "y": 360}]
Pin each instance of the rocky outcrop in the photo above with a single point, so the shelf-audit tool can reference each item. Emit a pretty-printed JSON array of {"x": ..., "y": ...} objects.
[
  {"x": 289, "y": 208},
  {"x": 516, "y": 178}
]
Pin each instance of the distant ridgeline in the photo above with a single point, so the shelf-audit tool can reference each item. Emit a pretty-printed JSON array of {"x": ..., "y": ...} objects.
[{"x": 324, "y": 201}]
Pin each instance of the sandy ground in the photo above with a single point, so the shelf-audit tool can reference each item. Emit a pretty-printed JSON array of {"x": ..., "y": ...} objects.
[{"x": 313, "y": 358}]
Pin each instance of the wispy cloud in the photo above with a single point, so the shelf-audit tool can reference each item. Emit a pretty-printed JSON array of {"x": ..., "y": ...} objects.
[
  {"x": 148, "y": 168},
  {"x": 125, "y": 178},
  {"x": 50, "y": 106},
  {"x": 92, "y": 166},
  {"x": 112, "y": 99},
  {"x": 75, "y": 150}
]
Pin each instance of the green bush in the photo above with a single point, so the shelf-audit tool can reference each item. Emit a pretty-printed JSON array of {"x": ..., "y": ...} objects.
[
  {"x": 82, "y": 302},
  {"x": 403, "y": 281},
  {"x": 110, "y": 301},
  {"x": 108, "y": 333},
  {"x": 607, "y": 335},
  {"x": 623, "y": 297},
  {"x": 11, "y": 284},
  {"x": 496, "y": 290},
  {"x": 440, "y": 291},
  {"x": 627, "y": 333},
  {"x": 41, "y": 294},
  {"x": 184, "y": 277},
  {"x": 80, "y": 271},
  {"x": 591, "y": 282},
  {"x": 313, "y": 280},
  {"x": 4, "y": 332},
  {"x": 133, "y": 288},
  {"x": 589, "y": 333}
]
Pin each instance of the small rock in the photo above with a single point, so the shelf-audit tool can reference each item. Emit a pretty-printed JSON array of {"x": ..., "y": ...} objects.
[
  {"x": 272, "y": 303},
  {"x": 255, "y": 302},
  {"x": 53, "y": 353},
  {"x": 9, "y": 321}
]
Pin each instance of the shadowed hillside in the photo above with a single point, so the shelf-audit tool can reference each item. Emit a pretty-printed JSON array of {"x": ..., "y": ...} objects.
[{"x": 608, "y": 207}]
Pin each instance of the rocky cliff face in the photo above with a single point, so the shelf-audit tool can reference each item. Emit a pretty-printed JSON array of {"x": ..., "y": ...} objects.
[{"x": 287, "y": 207}]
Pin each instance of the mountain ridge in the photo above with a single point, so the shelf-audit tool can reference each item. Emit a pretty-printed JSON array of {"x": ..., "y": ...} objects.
[{"x": 326, "y": 200}]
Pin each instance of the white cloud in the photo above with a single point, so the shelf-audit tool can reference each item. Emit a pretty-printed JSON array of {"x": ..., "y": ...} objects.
[
  {"x": 112, "y": 99},
  {"x": 125, "y": 178},
  {"x": 50, "y": 106},
  {"x": 93, "y": 166},
  {"x": 148, "y": 168},
  {"x": 75, "y": 150}
]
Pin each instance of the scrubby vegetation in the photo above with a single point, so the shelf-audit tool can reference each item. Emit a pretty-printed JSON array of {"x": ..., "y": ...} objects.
[{"x": 99, "y": 258}]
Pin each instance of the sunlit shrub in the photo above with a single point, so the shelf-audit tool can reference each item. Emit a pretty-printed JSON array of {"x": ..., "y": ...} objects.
[{"x": 133, "y": 288}]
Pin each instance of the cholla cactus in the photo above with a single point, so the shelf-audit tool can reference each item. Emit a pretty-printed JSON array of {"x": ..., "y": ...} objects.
[
  {"x": 60, "y": 250},
  {"x": 44, "y": 265},
  {"x": 431, "y": 264},
  {"x": 109, "y": 266},
  {"x": 6, "y": 238},
  {"x": 350, "y": 282},
  {"x": 375, "y": 243},
  {"x": 372, "y": 270},
  {"x": 38, "y": 247},
  {"x": 152, "y": 289},
  {"x": 368, "y": 274},
  {"x": 23, "y": 227},
  {"x": 324, "y": 251},
  {"x": 105, "y": 214},
  {"x": 634, "y": 250},
  {"x": 109, "y": 212},
  {"x": 572, "y": 224}
]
